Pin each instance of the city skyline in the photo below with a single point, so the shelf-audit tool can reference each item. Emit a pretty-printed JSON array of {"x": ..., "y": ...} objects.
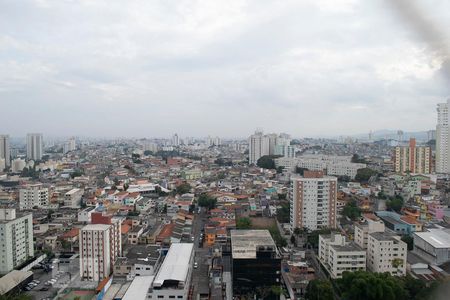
[{"x": 215, "y": 68}]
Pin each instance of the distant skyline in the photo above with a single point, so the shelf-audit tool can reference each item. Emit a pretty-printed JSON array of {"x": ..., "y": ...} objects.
[{"x": 155, "y": 68}]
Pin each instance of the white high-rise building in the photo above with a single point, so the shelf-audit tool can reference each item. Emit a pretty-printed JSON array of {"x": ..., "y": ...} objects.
[
  {"x": 69, "y": 146},
  {"x": 443, "y": 138},
  {"x": 95, "y": 252},
  {"x": 16, "y": 239},
  {"x": 33, "y": 196},
  {"x": 175, "y": 140},
  {"x": 34, "y": 146},
  {"x": 313, "y": 201},
  {"x": 5, "y": 150}
]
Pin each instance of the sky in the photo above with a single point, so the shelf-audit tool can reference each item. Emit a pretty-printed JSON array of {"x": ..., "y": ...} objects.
[{"x": 221, "y": 68}]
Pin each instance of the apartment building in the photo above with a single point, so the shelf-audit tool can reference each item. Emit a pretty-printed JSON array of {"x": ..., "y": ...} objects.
[
  {"x": 386, "y": 252},
  {"x": 73, "y": 198},
  {"x": 363, "y": 229},
  {"x": 34, "y": 146},
  {"x": 338, "y": 255},
  {"x": 95, "y": 252},
  {"x": 35, "y": 195},
  {"x": 313, "y": 200},
  {"x": 443, "y": 138},
  {"x": 5, "y": 152},
  {"x": 413, "y": 158},
  {"x": 16, "y": 239}
]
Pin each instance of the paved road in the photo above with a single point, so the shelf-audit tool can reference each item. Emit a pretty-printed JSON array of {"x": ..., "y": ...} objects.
[{"x": 199, "y": 275}]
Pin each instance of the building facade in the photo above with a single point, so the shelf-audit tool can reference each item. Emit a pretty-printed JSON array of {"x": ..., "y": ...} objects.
[
  {"x": 5, "y": 152},
  {"x": 16, "y": 239},
  {"x": 338, "y": 255},
  {"x": 313, "y": 201},
  {"x": 386, "y": 252},
  {"x": 34, "y": 195},
  {"x": 34, "y": 146},
  {"x": 95, "y": 252},
  {"x": 443, "y": 138},
  {"x": 362, "y": 231},
  {"x": 413, "y": 159}
]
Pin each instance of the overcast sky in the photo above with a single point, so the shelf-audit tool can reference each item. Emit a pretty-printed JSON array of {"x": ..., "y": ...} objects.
[{"x": 152, "y": 68}]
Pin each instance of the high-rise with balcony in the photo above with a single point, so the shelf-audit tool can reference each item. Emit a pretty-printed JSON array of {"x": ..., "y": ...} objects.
[
  {"x": 33, "y": 196},
  {"x": 313, "y": 201},
  {"x": 34, "y": 146},
  {"x": 443, "y": 138},
  {"x": 5, "y": 150},
  {"x": 413, "y": 158}
]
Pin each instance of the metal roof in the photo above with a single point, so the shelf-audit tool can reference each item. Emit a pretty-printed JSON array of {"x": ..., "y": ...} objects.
[
  {"x": 138, "y": 288},
  {"x": 176, "y": 264}
]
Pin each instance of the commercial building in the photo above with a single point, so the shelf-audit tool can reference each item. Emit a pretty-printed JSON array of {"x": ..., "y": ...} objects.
[
  {"x": 386, "y": 252},
  {"x": 34, "y": 146},
  {"x": 16, "y": 239},
  {"x": 73, "y": 198},
  {"x": 443, "y": 138},
  {"x": 95, "y": 252},
  {"x": 313, "y": 201},
  {"x": 362, "y": 231},
  {"x": 413, "y": 159},
  {"x": 5, "y": 150},
  {"x": 433, "y": 245},
  {"x": 338, "y": 255},
  {"x": 32, "y": 196},
  {"x": 173, "y": 279},
  {"x": 255, "y": 261}
]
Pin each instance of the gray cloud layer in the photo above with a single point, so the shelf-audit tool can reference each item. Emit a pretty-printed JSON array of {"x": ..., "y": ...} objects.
[{"x": 151, "y": 68}]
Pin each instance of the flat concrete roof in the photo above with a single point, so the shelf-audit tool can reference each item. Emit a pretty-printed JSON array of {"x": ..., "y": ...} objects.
[
  {"x": 438, "y": 238},
  {"x": 96, "y": 227},
  {"x": 245, "y": 242}
]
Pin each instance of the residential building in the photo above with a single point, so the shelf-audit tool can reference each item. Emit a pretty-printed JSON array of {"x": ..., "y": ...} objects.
[
  {"x": 285, "y": 151},
  {"x": 73, "y": 198},
  {"x": 140, "y": 260},
  {"x": 34, "y": 146},
  {"x": 95, "y": 252},
  {"x": 5, "y": 152},
  {"x": 443, "y": 138},
  {"x": 363, "y": 229},
  {"x": 412, "y": 158},
  {"x": 115, "y": 232},
  {"x": 386, "y": 252},
  {"x": 175, "y": 140},
  {"x": 33, "y": 196},
  {"x": 313, "y": 201},
  {"x": 433, "y": 245},
  {"x": 16, "y": 239},
  {"x": 173, "y": 280},
  {"x": 258, "y": 147},
  {"x": 69, "y": 146},
  {"x": 255, "y": 260},
  {"x": 338, "y": 255}
]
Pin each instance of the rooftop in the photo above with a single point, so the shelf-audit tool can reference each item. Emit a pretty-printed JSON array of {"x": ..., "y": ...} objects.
[
  {"x": 438, "y": 238},
  {"x": 138, "y": 288},
  {"x": 245, "y": 242},
  {"x": 176, "y": 264},
  {"x": 96, "y": 227}
]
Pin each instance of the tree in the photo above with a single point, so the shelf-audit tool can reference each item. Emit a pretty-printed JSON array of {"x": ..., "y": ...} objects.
[
  {"x": 267, "y": 161},
  {"x": 313, "y": 237},
  {"x": 280, "y": 169},
  {"x": 409, "y": 240},
  {"x": 293, "y": 240},
  {"x": 279, "y": 240},
  {"x": 283, "y": 213},
  {"x": 207, "y": 201},
  {"x": 351, "y": 210},
  {"x": 243, "y": 223},
  {"x": 357, "y": 159},
  {"x": 364, "y": 174},
  {"x": 319, "y": 289},
  {"x": 183, "y": 188},
  {"x": 148, "y": 153},
  {"x": 76, "y": 173},
  {"x": 300, "y": 170},
  {"x": 395, "y": 203}
]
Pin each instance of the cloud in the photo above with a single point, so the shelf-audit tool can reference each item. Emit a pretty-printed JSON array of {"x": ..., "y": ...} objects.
[{"x": 152, "y": 68}]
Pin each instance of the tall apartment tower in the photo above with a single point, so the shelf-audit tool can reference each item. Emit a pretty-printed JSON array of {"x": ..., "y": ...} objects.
[
  {"x": 95, "y": 255},
  {"x": 313, "y": 201},
  {"x": 258, "y": 147},
  {"x": 412, "y": 158},
  {"x": 69, "y": 146},
  {"x": 443, "y": 138},
  {"x": 34, "y": 146},
  {"x": 175, "y": 140},
  {"x": 16, "y": 239},
  {"x": 5, "y": 150}
]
